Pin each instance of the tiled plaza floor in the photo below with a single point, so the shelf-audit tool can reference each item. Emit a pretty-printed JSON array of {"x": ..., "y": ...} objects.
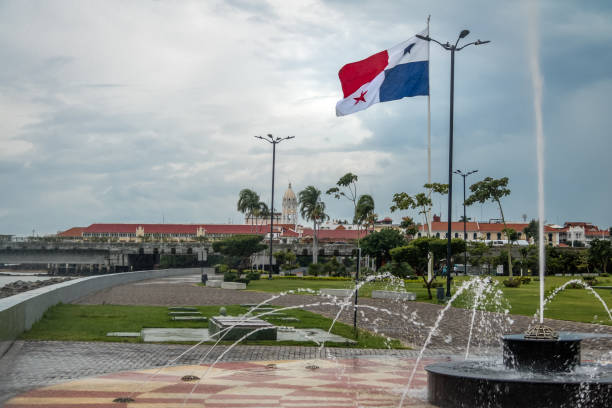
[{"x": 336, "y": 383}]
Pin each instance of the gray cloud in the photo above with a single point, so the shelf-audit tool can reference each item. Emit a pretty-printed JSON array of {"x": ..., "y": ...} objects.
[{"x": 131, "y": 112}]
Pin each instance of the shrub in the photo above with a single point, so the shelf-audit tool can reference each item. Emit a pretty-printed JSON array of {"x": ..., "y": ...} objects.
[
  {"x": 512, "y": 283},
  {"x": 253, "y": 275},
  {"x": 604, "y": 274},
  {"x": 591, "y": 280},
  {"x": 314, "y": 269},
  {"x": 525, "y": 280},
  {"x": 574, "y": 285},
  {"x": 231, "y": 276}
]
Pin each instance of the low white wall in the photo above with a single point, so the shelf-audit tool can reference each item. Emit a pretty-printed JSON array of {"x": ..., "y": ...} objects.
[{"x": 19, "y": 312}]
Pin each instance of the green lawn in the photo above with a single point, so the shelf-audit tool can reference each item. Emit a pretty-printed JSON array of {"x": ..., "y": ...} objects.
[
  {"x": 571, "y": 304},
  {"x": 92, "y": 322}
]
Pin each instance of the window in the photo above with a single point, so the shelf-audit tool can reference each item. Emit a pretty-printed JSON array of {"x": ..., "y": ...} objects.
[
  {"x": 488, "y": 235},
  {"x": 475, "y": 235},
  {"x": 437, "y": 235},
  {"x": 499, "y": 235},
  {"x": 550, "y": 237},
  {"x": 456, "y": 235},
  {"x": 419, "y": 235}
]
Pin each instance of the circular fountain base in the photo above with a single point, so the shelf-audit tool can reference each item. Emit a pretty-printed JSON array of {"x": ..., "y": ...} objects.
[
  {"x": 542, "y": 355},
  {"x": 492, "y": 385}
]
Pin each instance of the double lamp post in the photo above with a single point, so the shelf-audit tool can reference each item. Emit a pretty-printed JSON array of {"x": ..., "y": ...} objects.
[
  {"x": 452, "y": 48},
  {"x": 274, "y": 141}
]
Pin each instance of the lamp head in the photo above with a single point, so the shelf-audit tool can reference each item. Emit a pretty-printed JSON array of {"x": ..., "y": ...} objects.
[{"x": 464, "y": 33}]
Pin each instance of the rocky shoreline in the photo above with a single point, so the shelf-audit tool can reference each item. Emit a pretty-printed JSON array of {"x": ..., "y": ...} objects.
[{"x": 19, "y": 286}]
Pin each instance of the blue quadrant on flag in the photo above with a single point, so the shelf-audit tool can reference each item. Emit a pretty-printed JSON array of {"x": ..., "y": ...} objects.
[{"x": 399, "y": 72}]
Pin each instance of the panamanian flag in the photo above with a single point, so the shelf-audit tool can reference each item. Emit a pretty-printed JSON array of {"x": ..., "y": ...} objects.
[{"x": 396, "y": 73}]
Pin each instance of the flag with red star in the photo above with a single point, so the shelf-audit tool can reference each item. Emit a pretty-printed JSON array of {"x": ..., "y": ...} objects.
[{"x": 399, "y": 72}]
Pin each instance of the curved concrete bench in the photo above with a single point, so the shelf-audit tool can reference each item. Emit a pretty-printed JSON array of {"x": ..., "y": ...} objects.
[{"x": 19, "y": 312}]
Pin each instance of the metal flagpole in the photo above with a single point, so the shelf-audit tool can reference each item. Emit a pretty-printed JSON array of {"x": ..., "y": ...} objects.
[{"x": 430, "y": 260}]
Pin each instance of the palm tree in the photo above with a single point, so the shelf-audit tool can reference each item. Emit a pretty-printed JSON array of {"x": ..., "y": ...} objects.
[
  {"x": 248, "y": 202},
  {"x": 261, "y": 211},
  {"x": 312, "y": 209},
  {"x": 364, "y": 212}
]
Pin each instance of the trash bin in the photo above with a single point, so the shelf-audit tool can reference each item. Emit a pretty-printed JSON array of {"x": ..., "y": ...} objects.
[
  {"x": 440, "y": 293},
  {"x": 204, "y": 278}
]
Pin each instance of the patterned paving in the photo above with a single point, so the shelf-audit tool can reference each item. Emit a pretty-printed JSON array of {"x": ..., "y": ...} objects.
[{"x": 340, "y": 383}]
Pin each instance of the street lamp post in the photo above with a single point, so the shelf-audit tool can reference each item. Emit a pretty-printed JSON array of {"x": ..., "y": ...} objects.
[
  {"x": 452, "y": 48},
  {"x": 464, "y": 175},
  {"x": 274, "y": 141}
]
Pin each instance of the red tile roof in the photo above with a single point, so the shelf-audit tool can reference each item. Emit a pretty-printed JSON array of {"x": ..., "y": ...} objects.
[
  {"x": 72, "y": 232},
  {"x": 335, "y": 235},
  {"x": 455, "y": 226},
  {"x": 438, "y": 226},
  {"x": 192, "y": 229}
]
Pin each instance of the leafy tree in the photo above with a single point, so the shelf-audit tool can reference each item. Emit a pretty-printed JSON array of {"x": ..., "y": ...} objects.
[
  {"x": 312, "y": 209},
  {"x": 477, "y": 251},
  {"x": 531, "y": 230},
  {"x": 554, "y": 263},
  {"x": 526, "y": 252},
  {"x": 378, "y": 244},
  {"x": 423, "y": 203},
  {"x": 494, "y": 190},
  {"x": 600, "y": 252},
  {"x": 464, "y": 218},
  {"x": 400, "y": 269},
  {"x": 363, "y": 206},
  {"x": 409, "y": 226},
  {"x": 416, "y": 254},
  {"x": 346, "y": 187},
  {"x": 584, "y": 262},
  {"x": 285, "y": 259},
  {"x": 240, "y": 246}
]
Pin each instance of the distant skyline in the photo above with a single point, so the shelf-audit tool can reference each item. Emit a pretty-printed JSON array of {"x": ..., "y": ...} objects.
[{"x": 145, "y": 111}]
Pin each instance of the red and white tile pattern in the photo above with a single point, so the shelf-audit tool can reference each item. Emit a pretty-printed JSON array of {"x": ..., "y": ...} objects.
[{"x": 342, "y": 383}]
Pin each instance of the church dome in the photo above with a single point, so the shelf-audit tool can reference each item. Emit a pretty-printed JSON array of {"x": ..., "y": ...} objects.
[
  {"x": 290, "y": 206},
  {"x": 289, "y": 194}
]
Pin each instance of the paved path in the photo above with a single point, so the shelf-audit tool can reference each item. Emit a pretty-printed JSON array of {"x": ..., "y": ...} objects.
[
  {"x": 330, "y": 383},
  {"x": 32, "y": 364}
]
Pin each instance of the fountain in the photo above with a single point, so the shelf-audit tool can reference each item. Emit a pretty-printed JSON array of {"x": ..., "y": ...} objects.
[{"x": 540, "y": 368}]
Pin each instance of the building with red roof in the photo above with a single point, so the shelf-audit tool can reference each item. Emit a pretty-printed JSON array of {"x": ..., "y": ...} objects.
[
  {"x": 177, "y": 232},
  {"x": 485, "y": 231},
  {"x": 581, "y": 233}
]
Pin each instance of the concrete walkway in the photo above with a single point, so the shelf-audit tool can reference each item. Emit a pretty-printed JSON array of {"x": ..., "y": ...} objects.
[{"x": 32, "y": 364}]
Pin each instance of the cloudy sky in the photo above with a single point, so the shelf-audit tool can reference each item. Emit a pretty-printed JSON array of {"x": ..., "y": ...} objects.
[{"x": 144, "y": 111}]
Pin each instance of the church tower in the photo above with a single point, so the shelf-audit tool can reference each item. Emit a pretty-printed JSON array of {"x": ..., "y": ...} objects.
[{"x": 290, "y": 206}]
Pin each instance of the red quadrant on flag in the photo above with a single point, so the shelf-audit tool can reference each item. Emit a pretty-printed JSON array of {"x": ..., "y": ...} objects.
[{"x": 354, "y": 75}]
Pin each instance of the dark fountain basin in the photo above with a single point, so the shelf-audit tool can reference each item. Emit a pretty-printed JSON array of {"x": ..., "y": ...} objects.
[{"x": 534, "y": 373}]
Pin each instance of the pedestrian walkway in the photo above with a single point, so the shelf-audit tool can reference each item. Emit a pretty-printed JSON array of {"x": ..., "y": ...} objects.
[
  {"x": 338, "y": 383},
  {"x": 34, "y": 364}
]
